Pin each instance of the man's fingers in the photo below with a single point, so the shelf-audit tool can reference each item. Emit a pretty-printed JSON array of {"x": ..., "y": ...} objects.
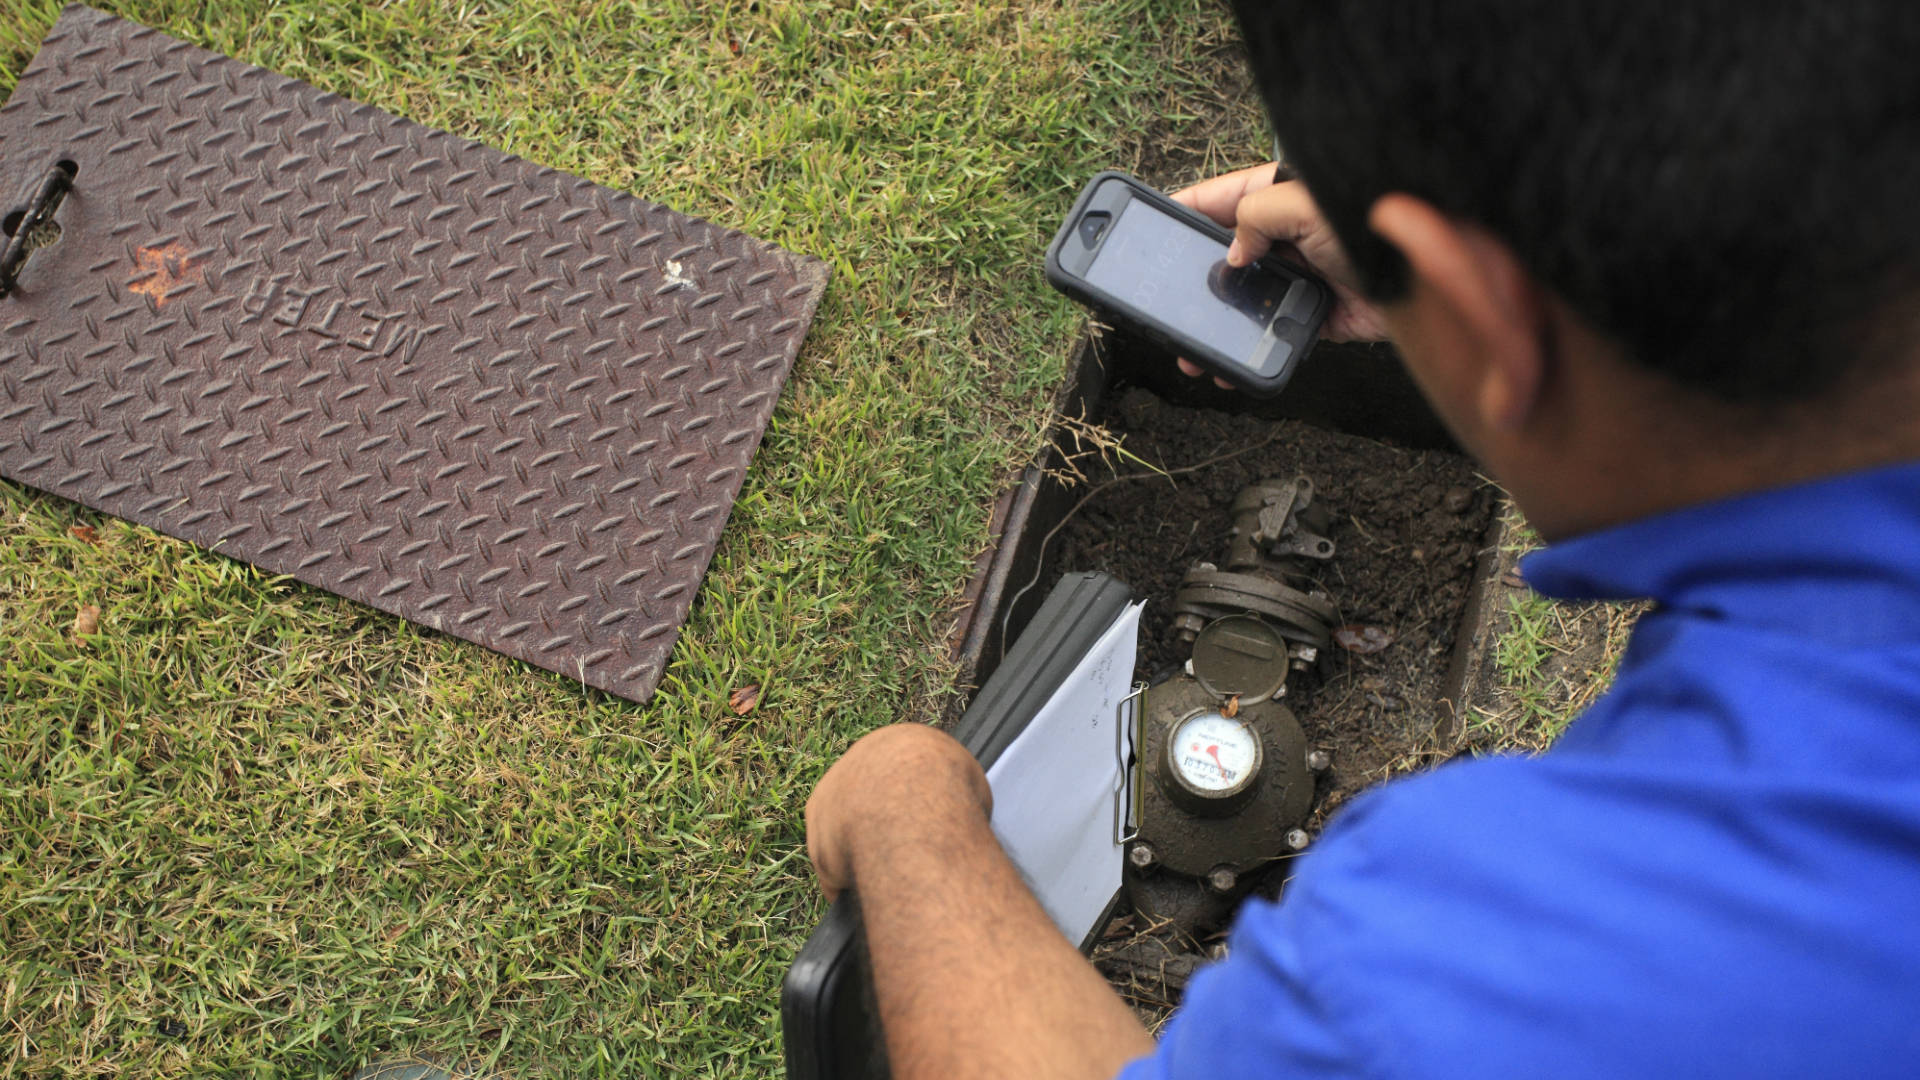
[
  {"x": 1279, "y": 213},
  {"x": 1193, "y": 370},
  {"x": 1219, "y": 198},
  {"x": 1261, "y": 213}
]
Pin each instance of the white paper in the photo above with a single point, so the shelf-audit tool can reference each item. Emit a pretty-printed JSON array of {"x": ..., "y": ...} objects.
[{"x": 1056, "y": 787}]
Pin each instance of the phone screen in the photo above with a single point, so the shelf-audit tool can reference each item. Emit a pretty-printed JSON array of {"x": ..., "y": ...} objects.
[{"x": 1165, "y": 267}]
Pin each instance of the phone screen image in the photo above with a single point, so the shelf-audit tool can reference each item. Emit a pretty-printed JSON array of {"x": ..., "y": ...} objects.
[{"x": 1161, "y": 265}]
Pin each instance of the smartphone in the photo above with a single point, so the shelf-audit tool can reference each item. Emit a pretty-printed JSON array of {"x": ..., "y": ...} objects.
[{"x": 1155, "y": 267}]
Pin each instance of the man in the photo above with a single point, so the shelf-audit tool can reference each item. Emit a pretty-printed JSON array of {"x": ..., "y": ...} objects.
[{"x": 1655, "y": 263}]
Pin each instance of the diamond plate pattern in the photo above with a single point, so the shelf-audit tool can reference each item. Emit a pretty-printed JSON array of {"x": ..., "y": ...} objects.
[{"x": 486, "y": 396}]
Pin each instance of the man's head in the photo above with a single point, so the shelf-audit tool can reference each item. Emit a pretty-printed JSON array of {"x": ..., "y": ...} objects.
[{"x": 1699, "y": 215}]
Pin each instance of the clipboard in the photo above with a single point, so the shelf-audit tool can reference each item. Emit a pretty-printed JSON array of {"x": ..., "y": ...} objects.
[{"x": 829, "y": 1020}]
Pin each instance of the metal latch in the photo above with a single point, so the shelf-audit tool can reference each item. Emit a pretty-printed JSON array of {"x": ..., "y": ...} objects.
[{"x": 1127, "y": 734}]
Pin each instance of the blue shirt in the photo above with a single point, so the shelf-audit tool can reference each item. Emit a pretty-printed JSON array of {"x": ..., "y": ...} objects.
[{"x": 1714, "y": 873}]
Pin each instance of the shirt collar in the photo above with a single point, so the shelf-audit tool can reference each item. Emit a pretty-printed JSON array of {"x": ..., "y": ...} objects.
[{"x": 1837, "y": 558}]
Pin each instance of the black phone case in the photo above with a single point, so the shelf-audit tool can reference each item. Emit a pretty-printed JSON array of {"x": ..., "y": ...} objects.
[
  {"x": 829, "y": 1024},
  {"x": 1215, "y": 362}
]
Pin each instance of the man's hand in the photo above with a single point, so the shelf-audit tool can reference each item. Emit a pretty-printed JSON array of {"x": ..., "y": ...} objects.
[
  {"x": 972, "y": 978},
  {"x": 898, "y": 784},
  {"x": 1263, "y": 214}
]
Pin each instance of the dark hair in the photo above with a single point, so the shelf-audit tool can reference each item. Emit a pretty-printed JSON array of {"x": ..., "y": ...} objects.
[{"x": 1728, "y": 188}]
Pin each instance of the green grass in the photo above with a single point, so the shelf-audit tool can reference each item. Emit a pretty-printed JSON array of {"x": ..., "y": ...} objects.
[
  {"x": 249, "y": 829},
  {"x": 1550, "y": 660}
]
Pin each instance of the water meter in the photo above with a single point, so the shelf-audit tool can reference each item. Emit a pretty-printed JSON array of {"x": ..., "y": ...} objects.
[
  {"x": 1229, "y": 781},
  {"x": 1227, "y": 772}
]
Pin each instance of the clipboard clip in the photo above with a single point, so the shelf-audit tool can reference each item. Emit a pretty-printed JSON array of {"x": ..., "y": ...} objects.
[{"x": 1127, "y": 737}]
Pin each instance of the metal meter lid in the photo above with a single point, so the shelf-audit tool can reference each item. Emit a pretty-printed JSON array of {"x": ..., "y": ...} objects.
[
  {"x": 398, "y": 365},
  {"x": 1240, "y": 655}
]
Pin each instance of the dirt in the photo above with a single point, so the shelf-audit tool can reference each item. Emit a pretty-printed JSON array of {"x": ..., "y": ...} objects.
[
  {"x": 1407, "y": 530},
  {"x": 1408, "y": 526}
]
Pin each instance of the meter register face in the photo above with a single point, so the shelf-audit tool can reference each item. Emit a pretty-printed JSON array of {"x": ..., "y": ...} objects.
[{"x": 1214, "y": 755}]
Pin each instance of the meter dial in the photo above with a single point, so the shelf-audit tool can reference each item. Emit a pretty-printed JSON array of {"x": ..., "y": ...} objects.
[{"x": 1213, "y": 757}]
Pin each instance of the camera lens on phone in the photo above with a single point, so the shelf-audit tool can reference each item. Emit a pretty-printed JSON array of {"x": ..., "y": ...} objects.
[{"x": 1093, "y": 226}]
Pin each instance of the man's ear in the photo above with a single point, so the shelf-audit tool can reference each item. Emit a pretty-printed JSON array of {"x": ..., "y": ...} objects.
[{"x": 1482, "y": 290}]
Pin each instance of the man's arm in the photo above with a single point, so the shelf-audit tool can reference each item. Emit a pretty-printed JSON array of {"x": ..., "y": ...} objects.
[{"x": 973, "y": 979}]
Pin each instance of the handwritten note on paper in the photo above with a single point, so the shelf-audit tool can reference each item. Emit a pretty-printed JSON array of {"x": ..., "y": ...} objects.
[{"x": 1055, "y": 787}]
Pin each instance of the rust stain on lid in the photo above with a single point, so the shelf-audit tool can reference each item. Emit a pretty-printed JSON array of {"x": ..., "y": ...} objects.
[{"x": 161, "y": 270}]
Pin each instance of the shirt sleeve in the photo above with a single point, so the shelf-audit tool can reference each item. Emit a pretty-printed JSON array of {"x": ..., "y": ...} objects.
[{"x": 1470, "y": 921}]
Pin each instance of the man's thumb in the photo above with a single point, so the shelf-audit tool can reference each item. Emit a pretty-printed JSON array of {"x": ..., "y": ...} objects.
[
  {"x": 1281, "y": 213},
  {"x": 1248, "y": 245}
]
